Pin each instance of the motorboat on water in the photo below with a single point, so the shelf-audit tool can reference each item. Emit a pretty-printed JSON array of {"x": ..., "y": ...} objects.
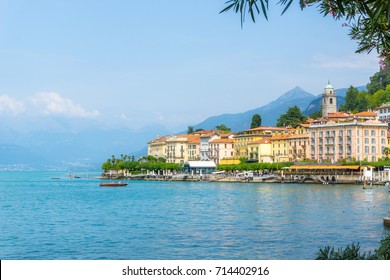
[{"x": 113, "y": 184}]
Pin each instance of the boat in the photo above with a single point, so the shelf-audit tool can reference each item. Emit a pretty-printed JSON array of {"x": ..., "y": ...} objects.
[{"x": 113, "y": 184}]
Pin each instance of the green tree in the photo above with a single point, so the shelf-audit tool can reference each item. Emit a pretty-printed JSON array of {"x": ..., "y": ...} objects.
[
  {"x": 293, "y": 117},
  {"x": 368, "y": 20},
  {"x": 386, "y": 152},
  {"x": 316, "y": 115},
  {"x": 256, "y": 121},
  {"x": 362, "y": 101},
  {"x": 350, "y": 100},
  {"x": 222, "y": 127},
  {"x": 380, "y": 97},
  {"x": 379, "y": 80},
  {"x": 190, "y": 130}
]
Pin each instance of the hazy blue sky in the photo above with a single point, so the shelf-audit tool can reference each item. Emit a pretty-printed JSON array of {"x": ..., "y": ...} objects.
[{"x": 169, "y": 62}]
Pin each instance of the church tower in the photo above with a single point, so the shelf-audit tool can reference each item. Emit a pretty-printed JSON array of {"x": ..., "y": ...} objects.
[{"x": 328, "y": 103}]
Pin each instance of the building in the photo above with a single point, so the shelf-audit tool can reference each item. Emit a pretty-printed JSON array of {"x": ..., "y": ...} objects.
[
  {"x": 158, "y": 147},
  {"x": 280, "y": 148},
  {"x": 329, "y": 102},
  {"x": 260, "y": 150},
  {"x": 242, "y": 139},
  {"x": 222, "y": 147},
  {"x": 384, "y": 113},
  {"x": 206, "y": 138},
  {"x": 347, "y": 136}
]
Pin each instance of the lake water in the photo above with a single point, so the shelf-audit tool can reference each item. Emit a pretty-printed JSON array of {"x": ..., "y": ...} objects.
[{"x": 44, "y": 218}]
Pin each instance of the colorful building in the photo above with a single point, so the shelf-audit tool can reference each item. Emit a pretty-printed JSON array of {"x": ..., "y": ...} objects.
[
  {"x": 158, "y": 147},
  {"x": 347, "y": 136},
  {"x": 242, "y": 139}
]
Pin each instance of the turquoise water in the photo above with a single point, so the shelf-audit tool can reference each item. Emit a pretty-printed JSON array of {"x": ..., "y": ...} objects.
[{"x": 42, "y": 218}]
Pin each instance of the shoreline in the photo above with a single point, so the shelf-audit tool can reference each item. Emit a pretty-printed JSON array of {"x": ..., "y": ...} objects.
[{"x": 277, "y": 179}]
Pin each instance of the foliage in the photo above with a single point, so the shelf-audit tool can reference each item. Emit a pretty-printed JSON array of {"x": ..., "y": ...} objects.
[
  {"x": 293, "y": 117},
  {"x": 256, "y": 121},
  {"x": 379, "y": 80},
  {"x": 352, "y": 252},
  {"x": 222, "y": 127},
  {"x": 316, "y": 115},
  {"x": 380, "y": 97},
  {"x": 144, "y": 163},
  {"x": 254, "y": 166},
  {"x": 190, "y": 130},
  {"x": 368, "y": 20},
  {"x": 386, "y": 152}
]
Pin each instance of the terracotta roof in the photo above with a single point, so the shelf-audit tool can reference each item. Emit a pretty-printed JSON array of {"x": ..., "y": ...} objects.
[
  {"x": 160, "y": 139},
  {"x": 337, "y": 115},
  {"x": 298, "y": 136},
  {"x": 365, "y": 114},
  {"x": 222, "y": 140},
  {"x": 279, "y": 137},
  {"x": 260, "y": 128},
  {"x": 261, "y": 141}
]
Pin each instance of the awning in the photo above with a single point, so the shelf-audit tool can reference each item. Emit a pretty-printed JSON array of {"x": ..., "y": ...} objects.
[{"x": 327, "y": 167}]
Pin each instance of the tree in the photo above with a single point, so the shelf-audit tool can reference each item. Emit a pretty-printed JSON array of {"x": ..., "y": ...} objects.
[
  {"x": 379, "y": 80},
  {"x": 256, "y": 121},
  {"x": 350, "y": 99},
  {"x": 386, "y": 152},
  {"x": 316, "y": 115},
  {"x": 380, "y": 97},
  {"x": 368, "y": 20},
  {"x": 293, "y": 117},
  {"x": 222, "y": 127},
  {"x": 190, "y": 130}
]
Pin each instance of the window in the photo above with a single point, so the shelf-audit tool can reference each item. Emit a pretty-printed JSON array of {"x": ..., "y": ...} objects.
[
  {"x": 383, "y": 133},
  {"x": 366, "y": 141},
  {"x": 373, "y": 158},
  {"x": 383, "y": 141},
  {"x": 330, "y": 100},
  {"x": 372, "y": 140},
  {"x": 373, "y": 149},
  {"x": 358, "y": 149},
  {"x": 349, "y": 132},
  {"x": 372, "y": 132},
  {"x": 366, "y": 149},
  {"x": 340, "y": 133},
  {"x": 365, "y": 132}
]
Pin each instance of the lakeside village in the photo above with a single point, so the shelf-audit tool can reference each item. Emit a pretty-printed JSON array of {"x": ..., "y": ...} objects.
[{"x": 336, "y": 148}]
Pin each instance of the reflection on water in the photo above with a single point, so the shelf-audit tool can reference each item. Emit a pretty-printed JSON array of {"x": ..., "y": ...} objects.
[{"x": 76, "y": 219}]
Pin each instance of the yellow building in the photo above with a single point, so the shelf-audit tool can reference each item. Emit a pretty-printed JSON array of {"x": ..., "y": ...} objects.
[
  {"x": 260, "y": 150},
  {"x": 158, "y": 147},
  {"x": 298, "y": 147},
  {"x": 242, "y": 139},
  {"x": 280, "y": 148}
]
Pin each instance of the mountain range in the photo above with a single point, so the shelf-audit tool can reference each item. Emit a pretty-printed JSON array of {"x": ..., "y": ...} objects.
[{"x": 64, "y": 144}]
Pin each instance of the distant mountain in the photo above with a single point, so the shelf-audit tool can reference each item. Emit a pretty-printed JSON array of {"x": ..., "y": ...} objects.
[
  {"x": 269, "y": 113},
  {"x": 315, "y": 105},
  {"x": 55, "y": 144}
]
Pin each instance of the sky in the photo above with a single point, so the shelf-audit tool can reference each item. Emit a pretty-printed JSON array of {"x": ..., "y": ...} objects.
[{"x": 174, "y": 62}]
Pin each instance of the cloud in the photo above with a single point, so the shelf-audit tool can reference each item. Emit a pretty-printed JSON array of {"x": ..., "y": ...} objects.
[
  {"x": 8, "y": 105},
  {"x": 54, "y": 104},
  {"x": 350, "y": 62}
]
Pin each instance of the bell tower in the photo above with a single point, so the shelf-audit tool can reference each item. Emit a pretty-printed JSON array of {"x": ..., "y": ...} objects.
[{"x": 328, "y": 103}]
